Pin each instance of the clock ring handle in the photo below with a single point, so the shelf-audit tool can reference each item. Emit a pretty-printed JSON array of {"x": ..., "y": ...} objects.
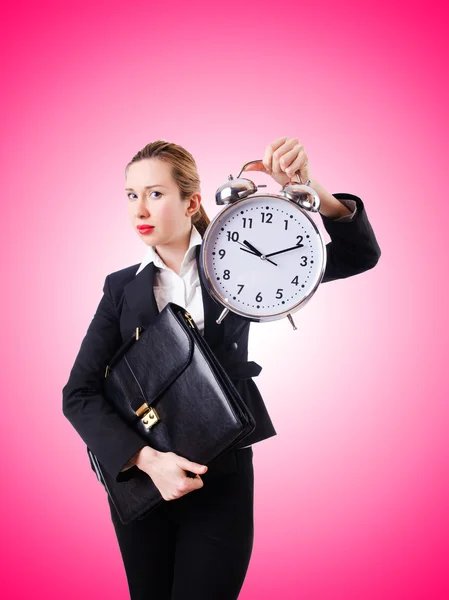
[
  {"x": 302, "y": 194},
  {"x": 305, "y": 196},
  {"x": 298, "y": 175},
  {"x": 260, "y": 166}
]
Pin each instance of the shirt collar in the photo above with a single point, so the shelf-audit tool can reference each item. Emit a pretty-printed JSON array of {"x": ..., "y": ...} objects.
[{"x": 152, "y": 256}]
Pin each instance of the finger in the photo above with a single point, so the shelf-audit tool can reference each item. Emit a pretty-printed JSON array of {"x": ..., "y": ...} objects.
[
  {"x": 289, "y": 159},
  {"x": 190, "y": 474},
  {"x": 279, "y": 153},
  {"x": 189, "y": 485},
  {"x": 197, "y": 483},
  {"x": 298, "y": 164},
  {"x": 267, "y": 159},
  {"x": 304, "y": 171},
  {"x": 188, "y": 465}
]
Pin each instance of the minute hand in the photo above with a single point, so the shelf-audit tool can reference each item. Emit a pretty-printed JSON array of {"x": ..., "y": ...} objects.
[{"x": 285, "y": 250}]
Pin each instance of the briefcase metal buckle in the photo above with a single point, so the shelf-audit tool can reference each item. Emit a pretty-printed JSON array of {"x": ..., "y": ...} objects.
[{"x": 148, "y": 415}]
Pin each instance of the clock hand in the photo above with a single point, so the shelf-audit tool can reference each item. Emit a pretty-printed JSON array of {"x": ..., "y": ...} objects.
[
  {"x": 256, "y": 251},
  {"x": 285, "y": 250},
  {"x": 251, "y": 252}
]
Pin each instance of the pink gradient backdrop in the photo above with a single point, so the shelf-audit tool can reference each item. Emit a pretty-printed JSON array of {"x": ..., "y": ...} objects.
[{"x": 351, "y": 495}]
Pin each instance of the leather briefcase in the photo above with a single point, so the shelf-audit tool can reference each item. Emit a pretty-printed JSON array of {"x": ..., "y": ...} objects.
[{"x": 166, "y": 383}]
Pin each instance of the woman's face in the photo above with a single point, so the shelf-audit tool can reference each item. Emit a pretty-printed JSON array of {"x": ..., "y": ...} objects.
[{"x": 160, "y": 206}]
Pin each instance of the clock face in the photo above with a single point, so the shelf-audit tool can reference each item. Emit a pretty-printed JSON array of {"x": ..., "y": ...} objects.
[{"x": 263, "y": 256}]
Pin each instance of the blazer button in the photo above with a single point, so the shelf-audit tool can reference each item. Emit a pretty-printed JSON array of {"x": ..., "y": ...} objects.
[{"x": 234, "y": 346}]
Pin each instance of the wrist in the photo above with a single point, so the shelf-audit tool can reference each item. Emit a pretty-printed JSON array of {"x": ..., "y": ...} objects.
[
  {"x": 330, "y": 207},
  {"x": 144, "y": 455}
]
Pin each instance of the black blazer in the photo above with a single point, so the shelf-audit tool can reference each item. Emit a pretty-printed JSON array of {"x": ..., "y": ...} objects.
[{"x": 128, "y": 301}]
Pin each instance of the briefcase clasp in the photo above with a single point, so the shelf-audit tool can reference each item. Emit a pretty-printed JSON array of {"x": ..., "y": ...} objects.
[{"x": 148, "y": 415}]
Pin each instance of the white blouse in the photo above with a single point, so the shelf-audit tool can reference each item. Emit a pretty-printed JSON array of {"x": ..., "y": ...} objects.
[{"x": 183, "y": 289}]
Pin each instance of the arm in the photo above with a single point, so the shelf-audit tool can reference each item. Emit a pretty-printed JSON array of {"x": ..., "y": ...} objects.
[
  {"x": 96, "y": 421},
  {"x": 350, "y": 205},
  {"x": 353, "y": 248}
]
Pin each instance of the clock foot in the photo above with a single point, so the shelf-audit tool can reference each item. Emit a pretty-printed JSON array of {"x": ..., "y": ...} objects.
[
  {"x": 222, "y": 316},
  {"x": 290, "y": 318}
]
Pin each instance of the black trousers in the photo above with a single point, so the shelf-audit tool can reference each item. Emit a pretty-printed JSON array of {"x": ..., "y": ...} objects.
[{"x": 196, "y": 547}]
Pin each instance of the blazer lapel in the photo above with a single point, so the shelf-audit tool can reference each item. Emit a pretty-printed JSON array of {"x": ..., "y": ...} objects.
[{"x": 139, "y": 296}]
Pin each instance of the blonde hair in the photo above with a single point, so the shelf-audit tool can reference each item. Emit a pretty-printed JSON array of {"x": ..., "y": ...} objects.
[{"x": 184, "y": 171}]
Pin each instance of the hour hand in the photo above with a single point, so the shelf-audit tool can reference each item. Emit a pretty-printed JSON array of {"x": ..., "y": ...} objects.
[
  {"x": 254, "y": 251},
  {"x": 251, "y": 247}
]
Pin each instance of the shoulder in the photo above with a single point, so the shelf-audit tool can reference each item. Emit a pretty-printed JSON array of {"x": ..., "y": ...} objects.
[{"x": 117, "y": 280}]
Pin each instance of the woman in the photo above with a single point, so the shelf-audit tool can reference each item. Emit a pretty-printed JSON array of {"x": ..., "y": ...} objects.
[{"x": 197, "y": 545}]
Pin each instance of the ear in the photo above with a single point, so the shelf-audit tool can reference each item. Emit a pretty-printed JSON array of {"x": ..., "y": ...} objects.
[{"x": 194, "y": 205}]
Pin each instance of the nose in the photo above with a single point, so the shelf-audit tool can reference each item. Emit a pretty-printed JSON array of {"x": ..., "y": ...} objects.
[{"x": 141, "y": 208}]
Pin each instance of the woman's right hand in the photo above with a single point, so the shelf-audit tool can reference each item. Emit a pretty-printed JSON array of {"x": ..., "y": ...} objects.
[{"x": 168, "y": 472}]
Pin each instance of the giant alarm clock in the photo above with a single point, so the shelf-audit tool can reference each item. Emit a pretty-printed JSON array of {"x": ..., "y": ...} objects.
[{"x": 262, "y": 256}]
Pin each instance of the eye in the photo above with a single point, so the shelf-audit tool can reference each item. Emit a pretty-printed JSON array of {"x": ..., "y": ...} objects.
[{"x": 133, "y": 194}]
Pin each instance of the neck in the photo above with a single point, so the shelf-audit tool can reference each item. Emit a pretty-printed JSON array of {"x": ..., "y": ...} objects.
[{"x": 173, "y": 253}]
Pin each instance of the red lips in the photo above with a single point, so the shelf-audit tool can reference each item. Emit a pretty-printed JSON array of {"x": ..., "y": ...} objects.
[{"x": 145, "y": 228}]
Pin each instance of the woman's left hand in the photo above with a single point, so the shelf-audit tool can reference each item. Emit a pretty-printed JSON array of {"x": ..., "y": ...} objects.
[{"x": 282, "y": 159}]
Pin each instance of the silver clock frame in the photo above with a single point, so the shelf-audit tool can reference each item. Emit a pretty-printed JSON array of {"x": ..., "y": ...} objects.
[{"x": 240, "y": 190}]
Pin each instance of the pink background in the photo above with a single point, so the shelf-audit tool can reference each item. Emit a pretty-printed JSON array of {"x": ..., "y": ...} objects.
[{"x": 351, "y": 496}]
